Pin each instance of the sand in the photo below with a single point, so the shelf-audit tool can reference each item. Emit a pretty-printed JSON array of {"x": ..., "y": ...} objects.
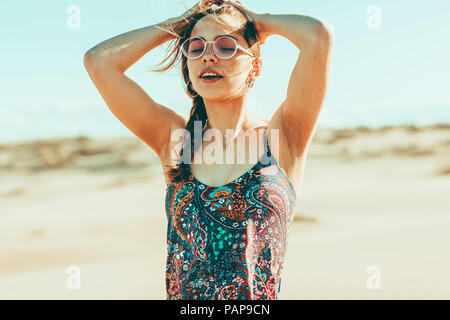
[{"x": 370, "y": 197}]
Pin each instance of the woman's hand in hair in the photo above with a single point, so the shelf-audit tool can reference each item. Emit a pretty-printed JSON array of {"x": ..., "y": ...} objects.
[
  {"x": 195, "y": 8},
  {"x": 181, "y": 19},
  {"x": 201, "y": 5},
  {"x": 256, "y": 17}
]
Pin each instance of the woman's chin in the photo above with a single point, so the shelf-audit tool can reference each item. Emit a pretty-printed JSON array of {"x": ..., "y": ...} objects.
[
  {"x": 211, "y": 93},
  {"x": 211, "y": 96}
]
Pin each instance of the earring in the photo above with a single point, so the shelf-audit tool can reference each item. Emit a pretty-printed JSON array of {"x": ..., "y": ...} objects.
[
  {"x": 189, "y": 90},
  {"x": 250, "y": 81}
]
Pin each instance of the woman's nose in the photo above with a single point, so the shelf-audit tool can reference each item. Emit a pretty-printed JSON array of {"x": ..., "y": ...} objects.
[{"x": 209, "y": 54}]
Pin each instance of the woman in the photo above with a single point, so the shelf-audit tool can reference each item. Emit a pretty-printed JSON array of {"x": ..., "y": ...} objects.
[{"x": 227, "y": 224}]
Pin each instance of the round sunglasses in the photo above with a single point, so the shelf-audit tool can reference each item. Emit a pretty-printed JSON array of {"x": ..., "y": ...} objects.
[{"x": 224, "y": 47}]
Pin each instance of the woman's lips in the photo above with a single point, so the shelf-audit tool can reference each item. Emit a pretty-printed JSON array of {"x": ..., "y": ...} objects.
[{"x": 210, "y": 80}]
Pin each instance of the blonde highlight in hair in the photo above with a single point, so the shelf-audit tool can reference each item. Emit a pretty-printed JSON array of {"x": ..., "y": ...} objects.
[{"x": 182, "y": 31}]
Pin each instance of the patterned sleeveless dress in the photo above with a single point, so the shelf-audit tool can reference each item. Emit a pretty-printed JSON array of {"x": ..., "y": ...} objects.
[{"x": 229, "y": 242}]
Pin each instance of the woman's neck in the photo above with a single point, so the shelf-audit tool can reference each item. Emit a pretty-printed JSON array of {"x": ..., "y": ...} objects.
[{"x": 227, "y": 115}]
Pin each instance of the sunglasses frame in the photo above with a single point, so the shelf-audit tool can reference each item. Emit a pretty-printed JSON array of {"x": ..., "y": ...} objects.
[{"x": 238, "y": 47}]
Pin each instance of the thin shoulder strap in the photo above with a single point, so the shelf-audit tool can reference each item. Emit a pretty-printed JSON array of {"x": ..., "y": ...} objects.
[{"x": 267, "y": 156}]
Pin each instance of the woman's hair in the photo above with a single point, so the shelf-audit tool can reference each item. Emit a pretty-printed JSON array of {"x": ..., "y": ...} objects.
[{"x": 182, "y": 31}]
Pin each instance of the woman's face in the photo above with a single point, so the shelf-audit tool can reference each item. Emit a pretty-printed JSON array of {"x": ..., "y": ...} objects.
[{"x": 235, "y": 70}]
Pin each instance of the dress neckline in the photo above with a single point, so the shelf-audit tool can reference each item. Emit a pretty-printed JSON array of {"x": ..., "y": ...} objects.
[{"x": 242, "y": 176}]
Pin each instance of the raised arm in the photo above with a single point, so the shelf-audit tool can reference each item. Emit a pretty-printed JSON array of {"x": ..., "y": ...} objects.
[
  {"x": 106, "y": 64},
  {"x": 297, "y": 116}
]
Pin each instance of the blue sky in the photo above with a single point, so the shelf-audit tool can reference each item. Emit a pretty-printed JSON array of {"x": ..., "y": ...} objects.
[{"x": 397, "y": 74}]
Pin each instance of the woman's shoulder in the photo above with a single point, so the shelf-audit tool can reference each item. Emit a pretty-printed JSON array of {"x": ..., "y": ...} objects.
[{"x": 258, "y": 123}]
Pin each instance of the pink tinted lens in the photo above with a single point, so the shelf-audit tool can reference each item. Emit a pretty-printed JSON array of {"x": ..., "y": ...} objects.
[
  {"x": 225, "y": 47},
  {"x": 193, "y": 48}
]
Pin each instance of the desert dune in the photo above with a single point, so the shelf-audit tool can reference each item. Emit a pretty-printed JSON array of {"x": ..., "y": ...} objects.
[{"x": 370, "y": 197}]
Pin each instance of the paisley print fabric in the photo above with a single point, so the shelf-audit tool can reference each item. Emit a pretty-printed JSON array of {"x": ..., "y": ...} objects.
[{"x": 229, "y": 242}]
